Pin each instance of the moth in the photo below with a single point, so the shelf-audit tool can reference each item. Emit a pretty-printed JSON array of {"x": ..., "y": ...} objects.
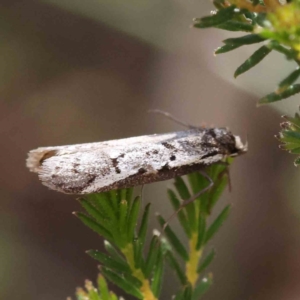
[{"x": 123, "y": 163}]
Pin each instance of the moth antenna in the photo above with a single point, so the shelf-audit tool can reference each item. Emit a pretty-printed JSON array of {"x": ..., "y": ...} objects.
[
  {"x": 171, "y": 117},
  {"x": 192, "y": 199}
]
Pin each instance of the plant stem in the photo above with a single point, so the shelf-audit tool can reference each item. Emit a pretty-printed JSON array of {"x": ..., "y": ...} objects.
[
  {"x": 194, "y": 257},
  {"x": 145, "y": 288}
]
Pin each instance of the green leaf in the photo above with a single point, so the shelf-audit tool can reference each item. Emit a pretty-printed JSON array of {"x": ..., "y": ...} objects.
[
  {"x": 165, "y": 245},
  {"x": 221, "y": 16},
  {"x": 198, "y": 183},
  {"x": 152, "y": 255},
  {"x": 94, "y": 226},
  {"x": 103, "y": 288},
  {"x": 132, "y": 218},
  {"x": 122, "y": 194},
  {"x": 185, "y": 293},
  {"x": 290, "y": 91},
  {"x": 113, "y": 252},
  {"x": 195, "y": 181},
  {"x": 294, "y": 121},
  {"x": 93, "y": 294},
  {"x": 208, "y": 259},
  {"x": 214, "y": 170},
  {"x": 113, "y": 296},
  {"x": 101, "y": 219},
  {"x": 181, "y": 214},
  {"x": 235, "y": 26},
  {"x": 138, "y": 255},
  {"x": 274, "y": 45},
  {"x": 244, "y": 40},
  {"x": 253, "y": 60},
  {"x": 296, "y": 151},
  {"x": 290, "y": 137},
  {"x": 132, "y": 280},
  {"x": 188, "y": 292},
  {"x": 226, "y": 48},
  {"x": 179, "y": 295},
  {"x": 173, "y": 239},
  {"x": 289, "y": 80},
  {"x": 201, "y": 231},
  {"x": 289, "y": 146},
  {"x": 174, "y": 264},
  {"x": 123, "y": 211},
  {"x": 95, "y": 213},
  {"x": 157, "y": 276},
  {"x": 127, "y": 194},
  {"x": 144, "y": 225},
  {"x": 103, "y": 203},
  {"x": 182, "y": 188},
  {"x": 108, "y": 261},
  {"x": 202, "y": 288},
  {"x": 261, "y": 19},
  {"x": 215, "y": 226},
  {"x": 97, "y": 199},
  {"x": 216, "y": 191},
  {"x": 249, "y": 15},
  {"x": 113, "y": 195},
  {"x": 184, "y": 193},
  {"x": 293, "y": 134},
  {"x": 290, "y": 142},
  {"x": 121, "y": 282}
]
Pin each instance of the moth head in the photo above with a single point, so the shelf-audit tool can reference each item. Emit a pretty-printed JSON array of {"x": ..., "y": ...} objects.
[
  {"x": 239, "y": 146},
  {"x": 231, "y": 144}
]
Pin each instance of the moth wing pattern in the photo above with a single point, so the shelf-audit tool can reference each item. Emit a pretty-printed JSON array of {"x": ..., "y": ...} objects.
[{"x": 103, "y": 166}]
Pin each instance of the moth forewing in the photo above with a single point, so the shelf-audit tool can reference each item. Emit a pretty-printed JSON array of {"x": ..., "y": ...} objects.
[{"x": 123, "y": 163}]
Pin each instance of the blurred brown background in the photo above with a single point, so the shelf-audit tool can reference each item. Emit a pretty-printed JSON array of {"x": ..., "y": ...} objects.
[{"x": 84, "y": 71}]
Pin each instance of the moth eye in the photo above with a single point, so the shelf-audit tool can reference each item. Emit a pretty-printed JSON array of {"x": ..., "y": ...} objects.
[{"x": 173, "y": 157}]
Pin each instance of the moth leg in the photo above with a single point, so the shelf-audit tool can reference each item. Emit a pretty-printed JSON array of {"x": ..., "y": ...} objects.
[
  {"x": 171, "y": 117},
  {"x": 225, "y": 171},
  {"x": 192, "y": 199}
]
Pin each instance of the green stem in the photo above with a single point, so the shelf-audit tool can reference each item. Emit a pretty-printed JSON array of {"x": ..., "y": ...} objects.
[
  {"x": 138, "y": 273},
  {"x": 194, "y": 258}
]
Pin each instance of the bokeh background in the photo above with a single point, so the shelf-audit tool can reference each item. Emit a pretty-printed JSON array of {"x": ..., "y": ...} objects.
[{"x": 84, "y": 71}]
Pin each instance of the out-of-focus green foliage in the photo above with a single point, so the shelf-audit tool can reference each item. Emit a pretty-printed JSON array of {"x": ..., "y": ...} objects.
[
  {"x": 273, "y": 22},
  {"x": 101, "y": 292},
  {"x": 115, "y": 215},
  {"x": 194, "y": 221},
  {"x": 289, "y": 136}
]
